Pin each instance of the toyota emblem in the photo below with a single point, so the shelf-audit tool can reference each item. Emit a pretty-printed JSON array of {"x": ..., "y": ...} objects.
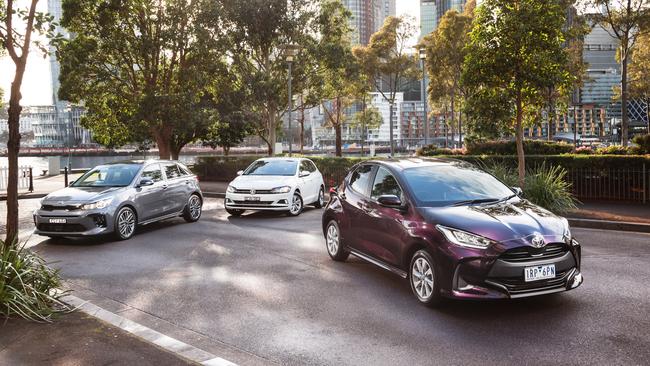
[{"x": 538, "y": 241}]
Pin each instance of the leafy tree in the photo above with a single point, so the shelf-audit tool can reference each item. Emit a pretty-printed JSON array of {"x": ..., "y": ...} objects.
[
  {"x": 625, "y": 20},
  {"x": 446, "y": 50},
  {"x": 227, "y": 132},
  {"x": 17, "y": 26},
  {"x": 515, "y": 53},
  {"x": 142, "y": 68},
  {"x": 385, "y": 60},
  {"x": 368, "y": 118},
  {"x": 639, "y": 86},
  {"x": 258, "y": 31}
]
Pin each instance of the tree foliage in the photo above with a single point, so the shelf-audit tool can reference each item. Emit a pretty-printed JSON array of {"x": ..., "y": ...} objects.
[
  {"x": 515, "y": 53},
  {"x": 386, "y": 60},
  {"x": 142, "y": 68}
]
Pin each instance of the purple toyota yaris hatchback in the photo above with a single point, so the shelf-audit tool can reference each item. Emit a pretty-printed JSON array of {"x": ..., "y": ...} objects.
[{"x": 452, "y": 229}]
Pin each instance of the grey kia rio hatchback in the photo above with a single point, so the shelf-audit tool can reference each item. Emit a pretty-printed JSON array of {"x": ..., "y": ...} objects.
[{"x": 117, "y": 197}]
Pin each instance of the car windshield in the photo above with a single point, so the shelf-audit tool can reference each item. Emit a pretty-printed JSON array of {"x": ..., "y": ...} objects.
[
  {"x": 272, "y": 167},
  {"x": 443, "y": 185},
  {"x": 115, "y": 175}
]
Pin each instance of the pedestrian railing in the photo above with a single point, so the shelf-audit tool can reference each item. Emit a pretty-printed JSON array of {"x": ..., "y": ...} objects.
[
  {"x": 620, "y": 184},
  {"x": 25, "y": 179}
]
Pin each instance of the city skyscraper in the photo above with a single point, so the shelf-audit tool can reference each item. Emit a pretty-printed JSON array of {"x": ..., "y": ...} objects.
[
  {"x": 367, "y": 17},
  {"x": 428, "y": 17}
]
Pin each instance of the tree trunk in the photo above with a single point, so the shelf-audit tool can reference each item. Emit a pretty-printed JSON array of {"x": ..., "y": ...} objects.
[
  {"x": 453, "y": 118},
  {"x": 226, "y": 150},
  {"x": 519, "y": 131},
  {"x": 337, "y": 129},
  {"x": 624, "y": 95},
  {"x": 13, "y": 148},
  {"x": 302, "y": 127},
  {"x": 163, "y": 140},
  {"x": 272, "y": 133}
]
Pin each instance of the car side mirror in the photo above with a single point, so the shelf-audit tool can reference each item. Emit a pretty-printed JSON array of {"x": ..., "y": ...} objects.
[
  {"x": 240, "y": 172},
  {"x": 518, "y": 191},
  {"x": 304, "y": 173},
  {"x": 391, "y": 201},
  {"x": 145, "y": 182}
]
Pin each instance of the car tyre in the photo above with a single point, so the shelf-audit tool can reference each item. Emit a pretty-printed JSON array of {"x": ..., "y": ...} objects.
[
  {"x": 335, "y": 247},
  {"x": 125, "y": 223},
  {"x": 296, "y": 205},
  {"x": 424, "y": 279},
  {"x": 193, "y": 209},
  {"x": 320, "y": 201}
]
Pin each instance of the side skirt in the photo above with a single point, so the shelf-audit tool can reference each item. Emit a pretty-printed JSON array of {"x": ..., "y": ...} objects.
[
  {"x": 378, "y": 263},
  {"x": 160, "y": 218}
]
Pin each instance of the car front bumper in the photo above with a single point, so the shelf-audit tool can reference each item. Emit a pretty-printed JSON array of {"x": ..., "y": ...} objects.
[
  {"x": 77, "y": 222},
  {"x": 270, "y": 202},
  {"x": 499, "y": 276}
]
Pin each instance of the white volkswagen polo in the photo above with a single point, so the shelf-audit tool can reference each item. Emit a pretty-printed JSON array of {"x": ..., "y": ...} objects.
[{"x": 278, "y": 184}]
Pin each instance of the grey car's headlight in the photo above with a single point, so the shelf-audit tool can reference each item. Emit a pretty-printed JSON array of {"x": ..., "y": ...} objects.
[
  {"x": 230, "y": 189},
  {"x": 283, "y": 189},
  {"x": 463, "y": 238},
  {"x": 97, "y": 205}
]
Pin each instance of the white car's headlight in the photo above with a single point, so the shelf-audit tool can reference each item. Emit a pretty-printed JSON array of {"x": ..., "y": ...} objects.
[
  {"x": 283, "y": 189},
  {"x": 97, "y": 205},
  {"x": 230, "y": 189},
  {"x": 463, "y": 238}
]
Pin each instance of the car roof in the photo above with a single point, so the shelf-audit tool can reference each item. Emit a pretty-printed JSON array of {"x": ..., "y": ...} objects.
[
  {"x": 284, "y": 158},
  {"x": 416, "y": 162},
  {"x": 140, "y": 162}
]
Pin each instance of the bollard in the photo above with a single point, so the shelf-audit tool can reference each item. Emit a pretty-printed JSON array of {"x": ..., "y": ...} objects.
[
  {"x": 65, "y": 176},
  {"x": 31, "y": 180}
]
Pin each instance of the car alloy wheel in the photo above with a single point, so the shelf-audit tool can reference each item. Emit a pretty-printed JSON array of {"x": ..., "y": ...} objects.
[
  {"x": 321, "y": 198},
  {"x": 333, "y": 241},
  {"x": 423, "y": 278},
  {"x": 125, "y": 223},
  {"x": 193, "y": 208},
  {"x": 296, "y": 205}
]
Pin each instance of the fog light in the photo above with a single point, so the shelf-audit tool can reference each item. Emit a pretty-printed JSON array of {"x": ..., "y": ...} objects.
[
  {"x": 100, "y": 220},
  {"x": 577, "y": 280},
  {"x": 282, "y": 202}
]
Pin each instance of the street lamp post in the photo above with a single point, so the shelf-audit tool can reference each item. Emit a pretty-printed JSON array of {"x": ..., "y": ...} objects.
[
  {"x": 290, "y": 52},
  {"x": 423, "y": 56}
]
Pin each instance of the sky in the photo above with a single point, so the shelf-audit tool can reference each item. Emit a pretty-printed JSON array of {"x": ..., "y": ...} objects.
[{"x": 37, "y": 88}]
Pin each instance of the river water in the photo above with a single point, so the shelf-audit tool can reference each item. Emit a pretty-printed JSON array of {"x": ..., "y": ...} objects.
[{"x": 82, "y": 162}]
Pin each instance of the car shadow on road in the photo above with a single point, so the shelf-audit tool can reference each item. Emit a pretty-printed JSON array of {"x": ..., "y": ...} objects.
[{"x": 267, "y": 214}]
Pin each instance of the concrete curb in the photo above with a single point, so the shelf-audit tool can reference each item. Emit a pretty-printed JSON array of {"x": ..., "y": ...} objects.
[
  {"x": 167, "y": 343},
  {"x": 610, "y": 225},
  {"x": 214, "y": 195}
]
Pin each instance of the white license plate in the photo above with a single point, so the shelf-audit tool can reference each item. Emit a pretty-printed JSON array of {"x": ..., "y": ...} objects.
[
  {"x": 57, "y": 221},
  {"x": 254, "y": 199},
  {"x": 542, "y": 272}
]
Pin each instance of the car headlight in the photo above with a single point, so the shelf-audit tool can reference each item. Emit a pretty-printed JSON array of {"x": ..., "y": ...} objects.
[
  {"x": 566, "y": 234},
  {"x": 463, "y": 238},
  {"x": 99, "y": 204},
  {"x": 283, "y": 189},
  {"x": 230, "y": 189}
]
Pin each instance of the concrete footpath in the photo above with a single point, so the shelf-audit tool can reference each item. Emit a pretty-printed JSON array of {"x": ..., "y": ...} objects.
[{"x": 77, "y": 339}]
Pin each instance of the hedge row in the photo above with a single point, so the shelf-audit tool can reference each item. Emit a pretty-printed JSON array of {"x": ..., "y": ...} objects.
[{"x": 219, "y": 168}]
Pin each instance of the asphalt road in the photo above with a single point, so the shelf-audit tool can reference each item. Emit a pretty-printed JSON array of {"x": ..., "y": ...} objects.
[{"x": 261, "y": 289}]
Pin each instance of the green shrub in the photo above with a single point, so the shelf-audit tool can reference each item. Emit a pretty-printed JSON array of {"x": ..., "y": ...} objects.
[
  {"x": 532, "y": 147},
  {"x": 433, "y": 150},
  {"x": 583, "y": 150},
  {"x": 613, "y": 150},
  {"x": 544, "y": 186},
  {"x": 28, "y": 287},
  {"x": 643, "y": 143}
]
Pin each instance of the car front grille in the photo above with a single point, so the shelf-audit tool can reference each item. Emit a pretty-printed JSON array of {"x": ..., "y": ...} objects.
[
  {"x": 59, "y": 208},
  {"x": 252, "y": 203},
  {"x": 518, "y": 286},
  {"x": 257, "y": 191},
  {"x": 524, "y": 254},
  {"x": 62, "y": 228}
]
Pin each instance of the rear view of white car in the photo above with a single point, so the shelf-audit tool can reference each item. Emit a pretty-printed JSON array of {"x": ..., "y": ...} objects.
[{"x": 276, "y": 184}]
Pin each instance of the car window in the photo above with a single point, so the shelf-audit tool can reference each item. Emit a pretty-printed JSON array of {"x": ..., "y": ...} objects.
[
  {"x": 171, "y": 171},
  {"x": 272, "y": 167},
  {"x": 305, "y": 166},
  {"x": 114, "y": 175},
  {"x": 312, "y": 167},
  {"x": 182, "y": 171},
  {"x": 360, "y": 178},
  {"x": 153, "y": 172},
  {"x": 385, "y": 184}
]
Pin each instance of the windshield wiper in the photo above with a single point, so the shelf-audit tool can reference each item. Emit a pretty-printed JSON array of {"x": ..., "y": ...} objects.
[
  {"x": 507, "y": 198},
  {"x": 476, "y": 201}
]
